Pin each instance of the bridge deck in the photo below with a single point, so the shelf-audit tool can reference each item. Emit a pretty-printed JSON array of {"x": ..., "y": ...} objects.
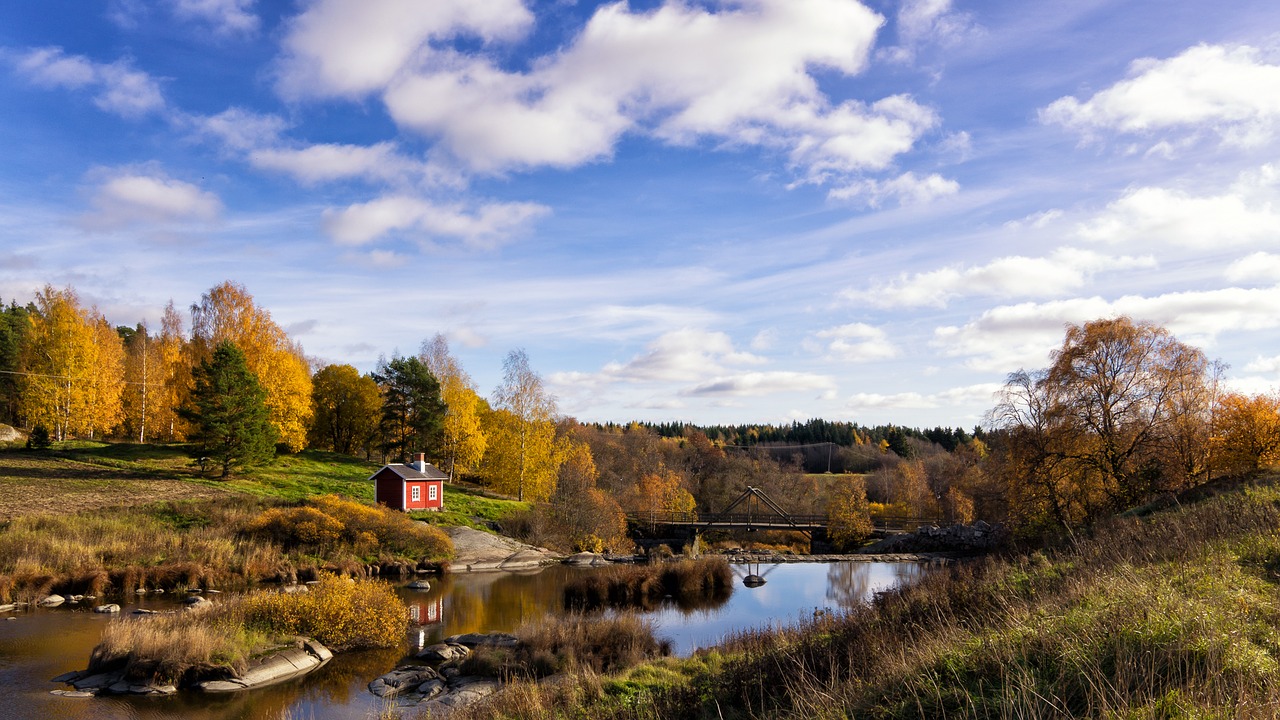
[{"x": 756, "y": 520}]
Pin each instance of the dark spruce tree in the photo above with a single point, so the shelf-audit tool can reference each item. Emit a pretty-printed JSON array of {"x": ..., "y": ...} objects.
[
  {"x": 412, "y": 409},
  {"x": 228, "y": 408}
]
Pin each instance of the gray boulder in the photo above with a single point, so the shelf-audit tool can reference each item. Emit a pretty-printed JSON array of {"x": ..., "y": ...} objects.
[
  {"x": 51, "y": 601},
  {"x": 108, "y": 608},
  {"x": 402, "y": 680},
  {"x": 443, "y": 652}
]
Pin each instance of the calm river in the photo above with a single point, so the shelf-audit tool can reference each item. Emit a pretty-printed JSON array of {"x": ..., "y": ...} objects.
[{"x": 41, "y": 644}]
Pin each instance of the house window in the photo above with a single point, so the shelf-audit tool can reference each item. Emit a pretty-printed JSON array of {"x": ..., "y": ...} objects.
[
  {"x": 415, "y": 493},
  {"x": 432, "y": 493}
]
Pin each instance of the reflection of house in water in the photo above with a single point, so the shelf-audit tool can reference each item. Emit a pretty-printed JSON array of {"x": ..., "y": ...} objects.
[{"x": 427, "y": 611}]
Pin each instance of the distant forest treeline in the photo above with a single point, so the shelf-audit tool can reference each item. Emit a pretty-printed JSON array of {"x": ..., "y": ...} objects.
[{"x": 821, "y": 445}]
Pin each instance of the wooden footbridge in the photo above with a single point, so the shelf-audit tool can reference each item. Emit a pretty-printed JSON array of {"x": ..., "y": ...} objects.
[{"x": 757, "y": 512}]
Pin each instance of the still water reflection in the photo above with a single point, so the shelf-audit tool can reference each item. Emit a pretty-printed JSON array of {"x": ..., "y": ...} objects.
[{"x": 41, "y": 644}]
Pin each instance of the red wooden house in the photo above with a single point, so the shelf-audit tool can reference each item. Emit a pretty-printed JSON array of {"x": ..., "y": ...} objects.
[{"x": 416, "y": 486}]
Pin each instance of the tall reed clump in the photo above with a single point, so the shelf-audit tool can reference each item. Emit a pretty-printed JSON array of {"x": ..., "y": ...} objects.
[
  {"x": 576, "y": 642},
  {"x": 342, "y": 613},
  {"x": 1176, "y": 614},
  {"x": 690, "y": 584}
]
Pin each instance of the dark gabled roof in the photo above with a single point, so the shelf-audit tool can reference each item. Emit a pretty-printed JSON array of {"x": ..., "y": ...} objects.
[{"x": 408, "y": 472}]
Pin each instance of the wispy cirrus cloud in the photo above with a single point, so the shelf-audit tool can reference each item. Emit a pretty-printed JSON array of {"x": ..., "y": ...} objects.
[{"x": 117, "y": 87}]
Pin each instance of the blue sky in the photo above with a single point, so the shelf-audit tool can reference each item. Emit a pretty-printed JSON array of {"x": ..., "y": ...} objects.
[{"x": 717, "y": 212}]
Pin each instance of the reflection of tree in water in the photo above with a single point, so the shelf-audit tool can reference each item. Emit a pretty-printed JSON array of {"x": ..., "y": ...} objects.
[{"x": 850, "y": 584}]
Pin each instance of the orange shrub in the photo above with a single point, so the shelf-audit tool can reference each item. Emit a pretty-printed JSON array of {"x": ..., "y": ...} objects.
[{"x": 340, "y": 612}]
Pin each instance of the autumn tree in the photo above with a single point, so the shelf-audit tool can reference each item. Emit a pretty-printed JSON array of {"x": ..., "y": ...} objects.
[
  {"x": 663, "y": 491},
  {"x": 848, "y": 512},
  {"x": 227, "y": 313},
  {"x": 1248, "y": 432},
  {"x": 172, "y": 377},
  {"x": 348, "y": 409},
  {"x": 1093, "y": 432},
  {"x": 144, "y": 390},
  {"x": 73, "y": 360},
  {"x": 228, "y": 411},
  {"x": 412, "y": 409},
  {"x": 526, "y": 416},
  {"x": 521, "y": 458},
  {"x": 590, "y": 518},
  {"x": 463, "y": 440}
]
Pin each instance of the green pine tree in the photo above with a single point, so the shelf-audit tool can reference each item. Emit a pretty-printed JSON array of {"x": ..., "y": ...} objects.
[{"x": 228, "y": 408}]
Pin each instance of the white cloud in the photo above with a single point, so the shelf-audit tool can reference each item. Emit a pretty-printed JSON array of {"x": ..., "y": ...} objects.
[
  {"x": 1264, "y": 365},
  {"x": 1232, "y": 92},
  {"x": 922, "y": 22},
  {"x": 906, "y": 189},
  {"x": 327, "y": 162},
  {"x": 741, "y": 75},
  {"x": 225, "y": 16},
  {"x": 1067, "y": 269},
  {"x": 1244, "y": 214},
  {"x": 755, "y": 384},
  {"x": 854, "y": 342},
  {"x": 337, "y": 48},
  {"x": 1260, "y": 266},
  {"x": 240, "y": 129},
  {"x": 480, "y": 227},
  {"x": 130, "y": 197},
  {"x": 1008, "y": 337},
  {"x": 684, "y": 355},
  {"x": 954, "y": 397},
  {"x": 118, "y": 88}
]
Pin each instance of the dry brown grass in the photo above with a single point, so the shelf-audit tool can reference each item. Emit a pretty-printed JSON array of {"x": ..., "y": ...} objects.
[{"x": 32, "y": 484}]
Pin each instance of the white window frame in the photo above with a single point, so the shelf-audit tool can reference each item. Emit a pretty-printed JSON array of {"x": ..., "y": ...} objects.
[
  {"x": 433, "y": 493},
  {"x": 415, "y": 493}
]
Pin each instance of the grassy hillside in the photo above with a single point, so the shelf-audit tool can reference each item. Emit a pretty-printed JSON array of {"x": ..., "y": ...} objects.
[{"x": 1172, "y": 613}]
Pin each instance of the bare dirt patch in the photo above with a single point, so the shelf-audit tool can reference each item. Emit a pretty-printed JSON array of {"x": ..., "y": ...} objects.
[{"x": 32, "y": 484}]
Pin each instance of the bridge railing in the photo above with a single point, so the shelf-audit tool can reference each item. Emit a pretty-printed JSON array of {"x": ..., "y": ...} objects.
[{"x": 662, "y": 517}]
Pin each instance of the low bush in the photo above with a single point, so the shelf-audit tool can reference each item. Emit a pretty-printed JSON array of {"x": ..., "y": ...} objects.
[
  {"x": 329, "y": 523},
  {"x": 343, "y": 613}
]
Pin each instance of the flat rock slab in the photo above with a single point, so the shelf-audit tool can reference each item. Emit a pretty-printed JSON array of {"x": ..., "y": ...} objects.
[
  {"x": 276, "y": 667},
  {"x": 475, "y": 550},
  {"x": 586, "y": 559},
  {"x": 462, "y": 695}
]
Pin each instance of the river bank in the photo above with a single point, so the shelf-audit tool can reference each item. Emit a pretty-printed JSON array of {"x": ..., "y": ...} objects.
[{"x": 1163, "y": 613}]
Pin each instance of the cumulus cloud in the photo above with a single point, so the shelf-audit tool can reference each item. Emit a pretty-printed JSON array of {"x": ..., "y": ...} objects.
[
  {"x": 742, "y": 74},
  {"x": 1066, "y": 270},
  {"x": 148, "y": 197},
  {"x": 1011, "y": 336},
  {"x": 1260, "y": 266},
  {"x": 854, "y": 342},
  {"x": 224, "y": 16},
  {"x": 1232, "y": 92},
  {"x": 1245, "y": 214},
  {"x": 336, "y": 48},
  {"x": 481, "y": 227},
  {"x": 1264, "y": 365},
  {"x": 117, "y": 87}
]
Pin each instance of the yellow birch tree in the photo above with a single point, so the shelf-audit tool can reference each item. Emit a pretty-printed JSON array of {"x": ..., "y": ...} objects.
[
  {"x": 227, "y": 312},
  {"x": 464, "y": 438}
]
